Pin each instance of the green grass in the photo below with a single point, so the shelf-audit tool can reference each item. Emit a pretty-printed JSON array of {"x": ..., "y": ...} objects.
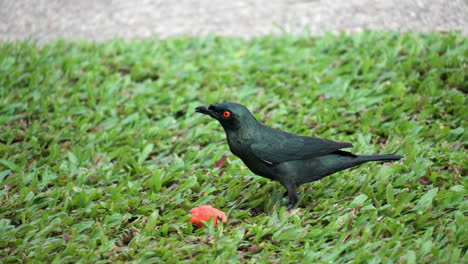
[{"x": 100, "y": 147}]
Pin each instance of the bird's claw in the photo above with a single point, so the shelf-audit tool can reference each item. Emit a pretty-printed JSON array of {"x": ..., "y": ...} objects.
[{"x": 290, "y": 207}]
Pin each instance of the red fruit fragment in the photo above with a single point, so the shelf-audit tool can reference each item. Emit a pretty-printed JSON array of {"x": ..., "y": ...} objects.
[{"x": 205, "y": 213}]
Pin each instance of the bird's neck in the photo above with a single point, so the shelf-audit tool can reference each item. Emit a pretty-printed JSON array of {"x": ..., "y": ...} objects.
[{"x": 242, "y": 134}]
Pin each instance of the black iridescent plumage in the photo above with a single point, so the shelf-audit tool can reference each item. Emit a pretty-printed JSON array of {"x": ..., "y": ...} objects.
[{"x": 290, "y": 159}]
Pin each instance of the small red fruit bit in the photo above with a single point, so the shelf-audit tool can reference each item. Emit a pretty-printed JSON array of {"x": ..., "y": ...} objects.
[{"x": 204, "y": 213}]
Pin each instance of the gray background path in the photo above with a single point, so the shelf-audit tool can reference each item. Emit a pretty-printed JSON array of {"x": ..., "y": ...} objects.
[{"x": 45, "y": 20}]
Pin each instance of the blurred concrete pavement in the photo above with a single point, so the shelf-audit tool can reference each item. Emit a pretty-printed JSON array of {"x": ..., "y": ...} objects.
[{"x": 45, "y": 20}]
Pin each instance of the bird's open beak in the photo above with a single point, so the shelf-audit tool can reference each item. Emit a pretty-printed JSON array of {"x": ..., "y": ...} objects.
[{"x": 205, "y": 109}]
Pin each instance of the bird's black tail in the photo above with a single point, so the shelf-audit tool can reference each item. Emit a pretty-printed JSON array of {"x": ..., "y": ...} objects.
[{"x": 386, "y": 157}]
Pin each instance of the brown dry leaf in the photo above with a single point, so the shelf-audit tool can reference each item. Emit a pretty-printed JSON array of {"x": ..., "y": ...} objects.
[
  {"x": 66, "y": 237},
  {"x": 9, "y": 187},
  {"x": 220, "y": 162},
  {"x": 424, "y": 180},
  {"x": 254, "y": 248}
]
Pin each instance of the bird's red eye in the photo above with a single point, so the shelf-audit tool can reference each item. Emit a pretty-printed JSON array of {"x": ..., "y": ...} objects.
[{"x": 227, "y": 114}]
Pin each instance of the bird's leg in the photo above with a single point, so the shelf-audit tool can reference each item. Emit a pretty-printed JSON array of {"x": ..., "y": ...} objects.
[{"x": 292, "y": 195}]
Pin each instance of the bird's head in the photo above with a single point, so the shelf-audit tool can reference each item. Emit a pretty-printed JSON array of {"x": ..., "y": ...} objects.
[{"x": 232, "y": 116}]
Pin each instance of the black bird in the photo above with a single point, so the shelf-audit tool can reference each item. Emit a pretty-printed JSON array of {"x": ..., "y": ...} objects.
[{"x": 277, "y": 155}]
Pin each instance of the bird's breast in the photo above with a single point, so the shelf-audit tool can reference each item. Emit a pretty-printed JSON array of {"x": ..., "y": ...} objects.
[
  {"x": 240, "y": 146},
  {"x": 256, "y": 165}
]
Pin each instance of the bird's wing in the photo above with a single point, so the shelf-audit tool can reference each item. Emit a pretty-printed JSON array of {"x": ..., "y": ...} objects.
[{"x": 284, "y": 146}]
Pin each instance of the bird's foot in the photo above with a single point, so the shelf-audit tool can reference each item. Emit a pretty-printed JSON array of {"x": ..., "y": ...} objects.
[
  {"x": 291, "y": 206},
  {"x": 292, "y": 195}
]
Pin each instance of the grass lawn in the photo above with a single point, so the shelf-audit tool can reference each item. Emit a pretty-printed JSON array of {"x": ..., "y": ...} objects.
[{"x": 102, "y": 155}]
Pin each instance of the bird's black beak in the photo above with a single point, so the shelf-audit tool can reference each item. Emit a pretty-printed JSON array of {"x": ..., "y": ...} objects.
[{"x": 206, "y": 109}]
